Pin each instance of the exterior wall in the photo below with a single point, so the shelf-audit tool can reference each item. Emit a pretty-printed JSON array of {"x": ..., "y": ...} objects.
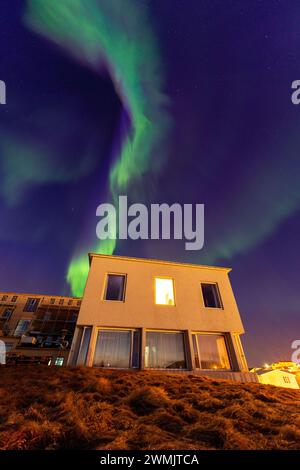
[
  {"x": 139, "y": 310},
  {"x": 61, "y": 316},
  {"x": 276, "y": 377}
]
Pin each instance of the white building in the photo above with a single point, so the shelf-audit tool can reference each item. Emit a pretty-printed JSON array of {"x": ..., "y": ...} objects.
[{"x": 277, "y": 377}]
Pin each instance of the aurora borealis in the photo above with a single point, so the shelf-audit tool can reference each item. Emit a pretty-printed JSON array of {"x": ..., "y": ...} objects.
[
  {"x": 114, "y": 35},
  {"x": 165, "y": 101}
]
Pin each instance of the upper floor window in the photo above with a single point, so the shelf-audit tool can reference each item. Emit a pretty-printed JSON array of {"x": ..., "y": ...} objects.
[
  {"x": 211, "y": 296},
  {"x": 61, "y": 301},
  {"x": 70, "y": 302},
  {"x": 286, "y": 380},
  {"x": 4, "y": 297},
  {"x": 115, "y": 287},
  {"x": 22, "y": 327},
  {"x": 31, "y": 305},
  {"x": 164, "y": 291},
  {"x": 78, "y": 302},
  {"x": 14, "y": 298},
  {"x": 6, "y": 313},
  {"x": 52, "y": 301}
]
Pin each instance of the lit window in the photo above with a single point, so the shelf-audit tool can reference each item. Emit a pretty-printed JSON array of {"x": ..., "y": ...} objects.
[
  {"x": 210, "y": 351},
  {"x": 115, "y": 287},
  {"x": 4, "y": 297},
  {"x": 31, "y": 305},
  {"x": 165, "y": 350},
  {"x": 164, "y": 291},
  {"x": 211, "y": 295},
  {"x": 22, "y": 327},
  {"x": 59, "y": 361},
  {"x": 14, "y": 298},
  {"x": 117, "y": 348}
]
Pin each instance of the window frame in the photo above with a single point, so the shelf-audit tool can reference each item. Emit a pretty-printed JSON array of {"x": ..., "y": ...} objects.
[
  {"x": 23, "y": 331},
  {"x": 174, "y": 291},
  {"x": 31, "y": 304},
  {"x": 185, "y": 348},
  {"x": 7, "y": 309},
  {"x": 225, "y": 336},
  {"x": 59, "y": 359},
  {"x": 218, "y": 295},
  {"x": 132, "y": 330},
  {"x": 106, "y": 285}
]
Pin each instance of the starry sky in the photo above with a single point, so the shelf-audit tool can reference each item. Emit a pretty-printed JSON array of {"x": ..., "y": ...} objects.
[{"x": 164, "y": 101}]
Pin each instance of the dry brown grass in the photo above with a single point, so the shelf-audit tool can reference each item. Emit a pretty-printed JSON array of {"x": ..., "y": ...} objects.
[{"x": 81, "y": 408}]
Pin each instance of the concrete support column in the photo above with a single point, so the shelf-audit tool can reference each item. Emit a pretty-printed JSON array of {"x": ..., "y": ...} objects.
[
  {"x": 71, "y": 359},
  {"x": 237, "y": 355},
  {"x": 241, "y": 354},
  {"x": 143, "y": 347},
  {"x": 189, "y": 350},
  {"x": 92, "y": 346}
]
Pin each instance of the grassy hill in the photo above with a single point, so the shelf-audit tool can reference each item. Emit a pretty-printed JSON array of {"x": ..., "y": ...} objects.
[{"x": 80, "y": 408}]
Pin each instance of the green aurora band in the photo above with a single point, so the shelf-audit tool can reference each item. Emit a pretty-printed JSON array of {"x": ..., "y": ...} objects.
[{"x": 115, "y": 33}]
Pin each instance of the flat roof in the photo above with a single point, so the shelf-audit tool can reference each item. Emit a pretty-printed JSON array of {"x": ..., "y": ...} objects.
[
  {"x": 157, "y": 261},
  {"x": 30, "y": 294}
]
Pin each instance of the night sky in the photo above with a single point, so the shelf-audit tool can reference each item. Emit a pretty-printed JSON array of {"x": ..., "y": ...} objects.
[{"x": 165, "y": 101}]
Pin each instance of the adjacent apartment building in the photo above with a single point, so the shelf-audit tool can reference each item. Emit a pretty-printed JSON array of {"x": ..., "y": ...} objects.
[
  {"x": 37, "y": 328},
  {"x": 159, "y": 315}
]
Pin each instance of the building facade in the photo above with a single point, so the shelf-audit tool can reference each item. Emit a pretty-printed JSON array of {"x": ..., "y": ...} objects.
[
  {"x": 151, "y": 314},
  {"x": 37, "y": 328}
]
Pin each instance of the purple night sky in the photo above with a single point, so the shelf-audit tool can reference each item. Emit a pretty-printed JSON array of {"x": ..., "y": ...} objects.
[{"x": 233, "y": 144}]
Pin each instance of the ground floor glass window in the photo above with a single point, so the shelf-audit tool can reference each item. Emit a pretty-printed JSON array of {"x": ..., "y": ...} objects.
[
  {"x": 210, "y": 351},
  {"x": 165, "y": 350},
  {"x": 117, "y": 348}
]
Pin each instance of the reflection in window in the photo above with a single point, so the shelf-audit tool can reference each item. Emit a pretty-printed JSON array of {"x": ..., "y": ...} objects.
[
  {"x": 115, "y": 287},
  {"x": 210, "y": 351},
  {"x": 211, "y": 295},
  {"x": 165, "y": 350},
  {"x": 164, "y": 291},
  {"x": 117, "y": 348}
]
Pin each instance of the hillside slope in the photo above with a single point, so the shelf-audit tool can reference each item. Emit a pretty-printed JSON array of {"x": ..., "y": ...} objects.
[{"x": 80, "y": 408}]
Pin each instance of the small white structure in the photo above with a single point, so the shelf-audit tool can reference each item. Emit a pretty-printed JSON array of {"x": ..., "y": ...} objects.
[{"x": 277, "y": 377}]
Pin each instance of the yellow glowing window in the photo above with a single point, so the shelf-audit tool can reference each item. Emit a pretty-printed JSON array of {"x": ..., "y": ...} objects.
[{"x": 164, "y": 291}]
